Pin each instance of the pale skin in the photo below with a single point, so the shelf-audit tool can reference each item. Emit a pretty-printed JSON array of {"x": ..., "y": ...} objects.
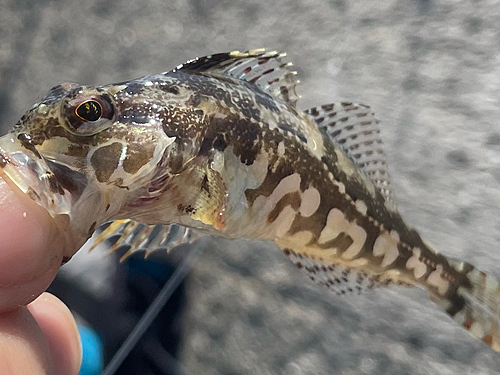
[{"x": 38, "y": 334}]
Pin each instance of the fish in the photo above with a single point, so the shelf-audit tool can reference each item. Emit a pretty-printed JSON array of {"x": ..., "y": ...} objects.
[{"x": 217, "y": 146}]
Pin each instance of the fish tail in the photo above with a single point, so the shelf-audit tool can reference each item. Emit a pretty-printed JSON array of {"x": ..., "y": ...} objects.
[{"x": 474, "y": 303}]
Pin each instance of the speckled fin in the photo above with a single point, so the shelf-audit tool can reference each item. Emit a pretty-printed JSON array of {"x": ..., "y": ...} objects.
[
  {"x": 338, "y": 279},
  {"x": 138, "y": 236},
  {"x": 266, "y": 69},
  {"x": 356, "y": 129}
]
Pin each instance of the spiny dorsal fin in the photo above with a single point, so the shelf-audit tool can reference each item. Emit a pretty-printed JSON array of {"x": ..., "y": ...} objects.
[
  {"x": 139, "y": 236},
  {"x": 266, "y": 69},
  {"x": 354, "y": 127}
]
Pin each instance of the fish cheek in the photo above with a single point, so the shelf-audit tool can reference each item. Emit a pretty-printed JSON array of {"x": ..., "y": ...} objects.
[
  {"x": 137, "y": 157},
  {"x": 105, "y": 160}
]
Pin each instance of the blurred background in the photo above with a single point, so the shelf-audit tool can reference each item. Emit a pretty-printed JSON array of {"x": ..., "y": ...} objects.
[{"x": 431, "y": 72}]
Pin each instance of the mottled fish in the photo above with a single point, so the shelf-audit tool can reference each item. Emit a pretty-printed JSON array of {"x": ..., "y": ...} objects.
[{"x": 217, "y": 146}]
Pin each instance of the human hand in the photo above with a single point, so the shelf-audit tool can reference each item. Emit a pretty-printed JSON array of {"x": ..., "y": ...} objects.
[{"x": 41, "y": 338}]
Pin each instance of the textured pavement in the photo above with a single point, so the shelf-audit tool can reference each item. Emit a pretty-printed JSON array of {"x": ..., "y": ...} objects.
[{"x": 431, "y": 72}]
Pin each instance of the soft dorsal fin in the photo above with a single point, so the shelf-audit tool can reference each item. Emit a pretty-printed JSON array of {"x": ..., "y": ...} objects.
[
  {"x": 266, "y": 69},
  {"x": 138, "y": 236},
  {"x": 354, "y": 127}
]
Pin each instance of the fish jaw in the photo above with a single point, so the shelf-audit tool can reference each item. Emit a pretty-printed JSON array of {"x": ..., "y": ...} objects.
[
  {"x": 39, "y": 178},
  {"x": 32, "y": 175}
]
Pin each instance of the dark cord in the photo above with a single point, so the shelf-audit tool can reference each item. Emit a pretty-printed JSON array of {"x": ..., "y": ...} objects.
[{"x": 152, "y": 311}]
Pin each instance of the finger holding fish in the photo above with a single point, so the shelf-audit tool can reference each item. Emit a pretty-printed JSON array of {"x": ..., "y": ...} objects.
[{"x": 31, "y": 247}]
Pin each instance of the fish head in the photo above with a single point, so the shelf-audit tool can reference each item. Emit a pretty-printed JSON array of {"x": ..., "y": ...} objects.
[{"x": 82, "y": 151}]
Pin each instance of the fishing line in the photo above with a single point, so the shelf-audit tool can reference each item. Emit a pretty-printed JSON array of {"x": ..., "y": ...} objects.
[{"x": 152, "y": 311}]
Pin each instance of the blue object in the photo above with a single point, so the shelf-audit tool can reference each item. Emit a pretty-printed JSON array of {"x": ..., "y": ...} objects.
[{"x": 92, "y": 351}]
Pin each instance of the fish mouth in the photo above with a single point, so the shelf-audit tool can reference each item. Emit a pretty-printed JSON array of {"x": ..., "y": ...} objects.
[{"x": 41, "y": 179}]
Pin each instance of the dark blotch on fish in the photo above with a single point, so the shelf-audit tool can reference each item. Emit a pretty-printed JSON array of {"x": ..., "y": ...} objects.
[
  {"x": 54, "y": 185},
  {"x": 26, "y": 141},
  {"x": 72, "y": 181},
  {"x": 170, "y": 89},
  {"x": 105, "y": 160},
  {"x": 134, "y": 88},
  {"x": 137, "y": 157}
]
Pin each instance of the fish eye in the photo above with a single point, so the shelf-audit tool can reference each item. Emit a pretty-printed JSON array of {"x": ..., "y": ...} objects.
[
  {"x": 89, "y": 110},
  {"x": 87, "y": 115}
]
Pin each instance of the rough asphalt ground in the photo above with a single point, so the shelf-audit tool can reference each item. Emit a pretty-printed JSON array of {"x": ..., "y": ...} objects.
[{"x": 431, "y": 72}]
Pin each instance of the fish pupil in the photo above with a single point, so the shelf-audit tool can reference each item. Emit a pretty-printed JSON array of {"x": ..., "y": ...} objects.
[{"x": 89, "y": 110}]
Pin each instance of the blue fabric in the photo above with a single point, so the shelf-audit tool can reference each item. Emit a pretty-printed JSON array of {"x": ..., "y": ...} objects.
[{"x": 92, "y": 351}]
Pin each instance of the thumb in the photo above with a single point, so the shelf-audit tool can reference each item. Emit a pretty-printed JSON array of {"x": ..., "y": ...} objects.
[{"x": 31, "y": 247}]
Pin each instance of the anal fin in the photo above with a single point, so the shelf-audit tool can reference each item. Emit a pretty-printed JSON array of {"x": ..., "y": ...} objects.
[
  {"x": 139, "y": 236},
  {"x": 337, "y": 278}
]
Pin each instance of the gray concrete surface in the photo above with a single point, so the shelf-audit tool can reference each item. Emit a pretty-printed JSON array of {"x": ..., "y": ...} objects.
[{"x": 430, "y": 70}]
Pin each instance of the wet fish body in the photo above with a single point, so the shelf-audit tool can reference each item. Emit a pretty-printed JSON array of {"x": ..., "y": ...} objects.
[{"x": 217, "y": 146}]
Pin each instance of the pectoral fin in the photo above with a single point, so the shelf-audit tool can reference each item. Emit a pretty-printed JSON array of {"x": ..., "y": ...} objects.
[{"x": 210, "y": 205}]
